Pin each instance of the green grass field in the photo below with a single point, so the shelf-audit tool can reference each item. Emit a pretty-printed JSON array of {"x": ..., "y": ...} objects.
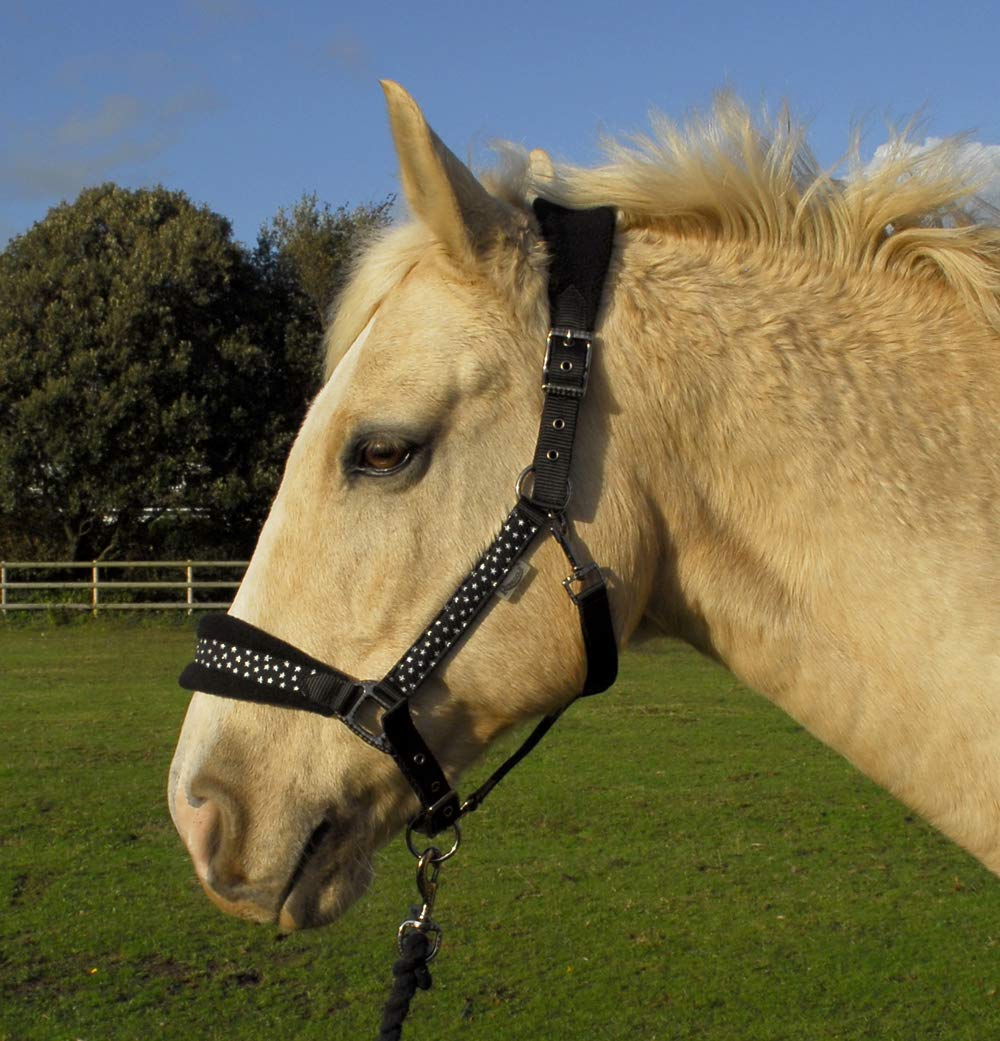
[{"x": 679, "y": 860}]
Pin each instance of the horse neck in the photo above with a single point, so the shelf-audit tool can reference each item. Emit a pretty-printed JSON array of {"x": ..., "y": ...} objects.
[{"x": 803, "y": 457}]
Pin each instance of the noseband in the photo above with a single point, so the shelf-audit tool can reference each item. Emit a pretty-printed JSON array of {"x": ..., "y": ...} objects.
[{"x": 234, "y": 659}]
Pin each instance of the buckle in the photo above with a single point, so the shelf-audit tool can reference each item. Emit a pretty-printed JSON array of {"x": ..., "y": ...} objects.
[
  {"x": 349, "y": 701},
  {"x": 574, "y": 386},
  {"x": 580, "y": 574},
  {"x": 426, "y": 822}
]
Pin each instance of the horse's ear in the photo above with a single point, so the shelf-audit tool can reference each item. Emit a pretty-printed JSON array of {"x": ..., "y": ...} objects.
[{"x": 440, "y": 189}]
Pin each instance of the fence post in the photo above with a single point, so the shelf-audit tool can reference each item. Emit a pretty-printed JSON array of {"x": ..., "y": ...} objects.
[
  {"x": 189, "y": 571},
  {"x": 93, "y": 588},
  {"x": 3, "y": 585}
]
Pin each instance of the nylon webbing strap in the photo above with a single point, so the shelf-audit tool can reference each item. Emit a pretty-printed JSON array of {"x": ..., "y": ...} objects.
[
  {"x": 236, "y": 659},
  {"x": 579, "y": 244},
  {"x": 516, "y": 534},
  {"x": 599, "y": 642},
  {"x": 419, "y": 765}
]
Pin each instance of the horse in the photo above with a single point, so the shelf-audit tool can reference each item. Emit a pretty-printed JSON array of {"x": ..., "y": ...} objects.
[{"x": 789, "y": 458}]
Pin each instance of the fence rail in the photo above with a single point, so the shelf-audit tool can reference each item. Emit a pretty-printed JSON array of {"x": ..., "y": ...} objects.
[{"x": 104, "y": 594}]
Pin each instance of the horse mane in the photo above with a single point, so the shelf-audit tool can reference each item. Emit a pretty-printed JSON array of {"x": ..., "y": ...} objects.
[{"x": 728, "y": 177}]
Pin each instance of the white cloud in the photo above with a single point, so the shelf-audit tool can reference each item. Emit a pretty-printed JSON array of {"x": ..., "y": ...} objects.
[
  {"x": 978, "y": 163},
  {"x": 122, "y": 132},
  {"x": 119, "y": 114}
]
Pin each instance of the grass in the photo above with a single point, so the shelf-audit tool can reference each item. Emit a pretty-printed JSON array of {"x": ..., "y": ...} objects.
[{"x": 679, "y": 860}]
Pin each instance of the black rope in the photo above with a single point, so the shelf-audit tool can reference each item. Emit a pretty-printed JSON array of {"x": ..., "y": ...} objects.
[{"x": 410, "y": 972}]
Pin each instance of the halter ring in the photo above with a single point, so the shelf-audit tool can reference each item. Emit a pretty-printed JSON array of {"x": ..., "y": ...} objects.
[
  {"x": 520, "y": 493},
  {"x": 441, "y": 857}
]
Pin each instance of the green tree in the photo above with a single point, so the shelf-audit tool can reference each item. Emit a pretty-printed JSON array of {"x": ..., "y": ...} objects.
[
  {"x": 315, "y": 245},
  {"x": 153, "y": 372},
  {"x": 302, "y": 256},
  {"x": 124, "y": 344}
]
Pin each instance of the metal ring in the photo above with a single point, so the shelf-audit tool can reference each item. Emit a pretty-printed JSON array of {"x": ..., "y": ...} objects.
[
  {"x": 442, "y": 857},
  {"x": 519, "y": 490}
]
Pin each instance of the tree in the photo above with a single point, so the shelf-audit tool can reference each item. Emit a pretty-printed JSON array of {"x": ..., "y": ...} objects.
[
  {"x": 153, "y": 372},
  {"x": 316, "y": 244},
  {"x": 123, "y": 344}
]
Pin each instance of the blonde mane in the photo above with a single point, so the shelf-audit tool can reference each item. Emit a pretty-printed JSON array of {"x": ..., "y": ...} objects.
[{"x": 753, "y": 183}]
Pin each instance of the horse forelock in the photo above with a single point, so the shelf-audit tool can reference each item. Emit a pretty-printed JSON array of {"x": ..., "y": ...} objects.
[
  {"x": 379, "y": 269},
  {"x": 511, "y": 272}
]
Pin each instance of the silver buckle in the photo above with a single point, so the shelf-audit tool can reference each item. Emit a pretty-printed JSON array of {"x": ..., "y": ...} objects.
[
  {"x": 580, "y": 574},
  {"x": 364, "y": 713},
  {"x": 566, "y": 335}
]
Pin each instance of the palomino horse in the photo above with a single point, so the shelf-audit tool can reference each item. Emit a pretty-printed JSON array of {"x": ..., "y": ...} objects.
[{"x": 790, "y": 457}]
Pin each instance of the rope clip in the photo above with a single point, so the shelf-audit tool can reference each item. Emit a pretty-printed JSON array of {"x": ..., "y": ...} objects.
[
  {"x": 428, "y": 868},
  {"x": 582, "y": 573}
]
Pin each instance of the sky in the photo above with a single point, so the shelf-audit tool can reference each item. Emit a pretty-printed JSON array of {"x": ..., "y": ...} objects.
[{"x": 246, "y": 105}]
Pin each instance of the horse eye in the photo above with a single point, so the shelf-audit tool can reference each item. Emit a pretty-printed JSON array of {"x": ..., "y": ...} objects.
[{"x": 383, "y": 455}]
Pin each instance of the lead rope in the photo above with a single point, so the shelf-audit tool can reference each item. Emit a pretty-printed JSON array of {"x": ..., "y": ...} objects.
[
  {"x": 410, "y": 972},
  {"x": 419, "y": 937},
  {"x": 418, "y": 940}
]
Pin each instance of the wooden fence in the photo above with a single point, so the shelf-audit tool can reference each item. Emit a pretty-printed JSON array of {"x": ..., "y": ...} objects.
[{"x": 98, "y": 591}]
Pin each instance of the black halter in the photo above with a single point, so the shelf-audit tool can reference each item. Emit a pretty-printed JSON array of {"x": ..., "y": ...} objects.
[{"x": 236, "y": 660}]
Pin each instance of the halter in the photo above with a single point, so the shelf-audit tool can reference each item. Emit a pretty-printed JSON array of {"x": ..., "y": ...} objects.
[{"x": 234, "y": 659}]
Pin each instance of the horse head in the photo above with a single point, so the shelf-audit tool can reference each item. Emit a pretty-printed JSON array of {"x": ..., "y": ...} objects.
[{"x": 402, "y": 469}]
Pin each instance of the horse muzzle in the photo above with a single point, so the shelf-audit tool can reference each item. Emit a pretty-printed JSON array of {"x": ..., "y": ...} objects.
[{"x": 296, "y": 883}]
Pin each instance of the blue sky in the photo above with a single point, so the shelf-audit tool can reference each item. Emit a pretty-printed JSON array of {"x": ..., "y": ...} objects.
[{"x": 245, "y": 105}]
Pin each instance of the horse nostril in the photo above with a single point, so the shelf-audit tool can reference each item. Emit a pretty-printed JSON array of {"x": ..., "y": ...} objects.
[{"x": 200, "y": 823}]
